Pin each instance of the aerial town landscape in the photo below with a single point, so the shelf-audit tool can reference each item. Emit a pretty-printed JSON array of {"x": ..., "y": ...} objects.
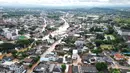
[{"x": 59, "y": 40}]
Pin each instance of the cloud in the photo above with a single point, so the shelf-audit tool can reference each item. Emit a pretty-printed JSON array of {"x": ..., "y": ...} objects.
[{"x": 67, "y": 2}]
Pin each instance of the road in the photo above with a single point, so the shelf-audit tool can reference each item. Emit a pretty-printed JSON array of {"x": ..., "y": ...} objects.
[
  {"x": 61, "y": 30},
  {"x": 52, "y": 47},
  {"x": 44, "y": 25}
]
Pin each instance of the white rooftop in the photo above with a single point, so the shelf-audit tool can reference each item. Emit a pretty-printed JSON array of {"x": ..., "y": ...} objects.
[
  {"x": 75, "y": 51},
  {"x": 8, "y": 63}
]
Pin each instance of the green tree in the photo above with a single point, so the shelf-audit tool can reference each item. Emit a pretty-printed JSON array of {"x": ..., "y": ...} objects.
[
  {"x": 115, "y": 71},
  {"x": 98, "y": 42},
  {"x": 7, "y": 47},
  {"x": 100, "y": 72},
  {"x": 98, "y": 50},
  {"x": 110, "y": 30},
  {"x": 14, "y": 52},
  {"x": 23, "y": 43},
  {"x": 30, "y": 65},
  {"x": 36, "y": 59},
  {"x": 100, "y": 36},
  {"x": 125, "y": 50},
  {"x": 63, "y": 67},
  {"x": 101, "y": 66}
]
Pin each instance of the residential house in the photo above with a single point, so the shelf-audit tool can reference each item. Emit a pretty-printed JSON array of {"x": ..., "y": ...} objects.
[
  {"x": 108, "y": 60},
  {"x": 57, "y": 69},
  {"x": 27, "y": 61},
  {"x": 75, "y": 69},
  {"x": 119, "y": 56},
  {"x": 5, "y": 70},
  {"x": 128, "y": 61},
  {"x": 42, "y": 68},
  {"x": 59, "y": 60},
  {"x": 127, "y": 39},
  {"x": 17, "y": 68},
  {"x": 31, "y": 52},
  {"x": 53, "y": 68},
  {"x": 88, "y": 69},
  {"x": 79, "y": 44},
  {"x": 68, "y": 60},
  {"x": 89, "y": 59},
  {"x": 74, "y": 56},
  {"x": 66, "y": 49},
  {"x": 125, "y": 32},
  {"x": 100, "y": 59},
  {"x": 122, "y": 32},
  {"x": 5, "y": 58},
  {"x": 70, "y": 69}
]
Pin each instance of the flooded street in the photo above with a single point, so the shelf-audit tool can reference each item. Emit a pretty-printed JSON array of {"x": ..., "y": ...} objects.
[{"x": 62, "y": 29}]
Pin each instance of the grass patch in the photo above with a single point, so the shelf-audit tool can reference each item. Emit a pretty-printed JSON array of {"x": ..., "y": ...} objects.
[
  {"x": 109, "y": 37},
  {"x": 106, "y": 47}
]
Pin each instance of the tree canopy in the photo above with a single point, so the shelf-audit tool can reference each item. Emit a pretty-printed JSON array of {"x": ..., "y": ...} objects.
[
  {"x": 63, "y": 66},
  {"x": 115, "y": 71},
  {"x": 101, "y": 66},
  {"x": 24, "y": 43},
  {"x": 6, "y": 47}
]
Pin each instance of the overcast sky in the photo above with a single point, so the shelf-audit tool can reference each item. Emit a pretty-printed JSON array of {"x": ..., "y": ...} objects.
[{"x": 67, "y": 2}]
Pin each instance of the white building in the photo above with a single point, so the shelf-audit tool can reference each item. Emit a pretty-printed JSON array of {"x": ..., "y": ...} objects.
[
  {"x": 75, "y": 54},
  {"x": 122, "y": 31}
]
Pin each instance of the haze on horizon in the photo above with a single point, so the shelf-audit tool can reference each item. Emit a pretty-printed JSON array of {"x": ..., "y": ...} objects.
[{"x": 66, "y": 2}]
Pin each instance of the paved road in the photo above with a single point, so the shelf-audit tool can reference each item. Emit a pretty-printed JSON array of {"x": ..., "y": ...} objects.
[
  {"x": 44, "y": 25},
  {"x": 52, "y": 47},
  {"x": 61, "y": 30},
  {"x": 57, "y": 32}
]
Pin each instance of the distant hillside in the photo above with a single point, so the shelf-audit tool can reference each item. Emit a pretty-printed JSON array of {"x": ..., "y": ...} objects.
[
  {"x": 97, "y": 10},
  {"x": 103, "y": 10}
]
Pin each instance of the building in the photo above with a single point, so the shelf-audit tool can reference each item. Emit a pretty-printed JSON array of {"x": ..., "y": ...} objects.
[
  {"x": 17, "y": 68},
  {"x": 100, "y": 59},
  {"x": 119, "y": 56},
  {"x": 70, "y": 69},
  {"x": 122, "y": 32},
  {"x": 4, "y": 69},
  {"x": 75, "y": 69},
  {"x": 42, "y": 68},
  {"x": 128, "y": 61},
  {"x": 89, "y": 59},
  {"x": 60, "y": 60},
  {"x": 79, "y": 44},
  {"x": 75, "y": 54},
  {"x": 10, "y": 34},
  {"x": 28, "y": 61},
  {"x": 53, "y": 68},
  {"x": 88, "y": 69}
]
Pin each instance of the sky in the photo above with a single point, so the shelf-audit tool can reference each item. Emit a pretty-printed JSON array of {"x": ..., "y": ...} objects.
[{"x": 67, "y": 2}]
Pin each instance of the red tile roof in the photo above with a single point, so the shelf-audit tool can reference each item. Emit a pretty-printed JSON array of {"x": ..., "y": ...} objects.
[
  {"x": 28, "y": 60},
  {"x": 118, "y": 55},
  {"x": 70, "y": 69}
]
